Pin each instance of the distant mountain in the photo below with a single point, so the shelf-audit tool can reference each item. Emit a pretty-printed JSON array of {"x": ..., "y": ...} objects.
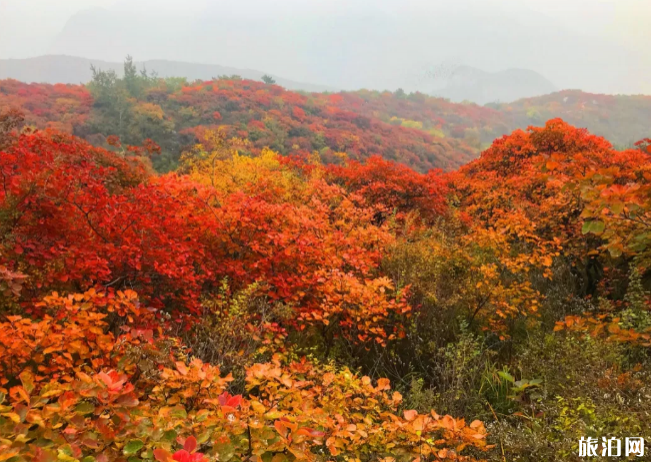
[
  {"x": 622, "y": 119},
  {"x": 70, "y": 69},
  {"x": 471, "y": 84},
  {"x": 348, "y": 45}
]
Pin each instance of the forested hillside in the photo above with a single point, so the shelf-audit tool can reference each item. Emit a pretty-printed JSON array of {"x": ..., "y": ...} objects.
[
  {"x": 414, "y": 129},
  {"x": 621, "y": 119},
  {"x": 70, "y": 69},
  {"x": 290, "y": 303},
  {"x": 176, "y": 114}
]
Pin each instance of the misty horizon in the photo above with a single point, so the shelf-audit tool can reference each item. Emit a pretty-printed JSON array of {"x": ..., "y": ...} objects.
[{"x": 383, "y": 46}]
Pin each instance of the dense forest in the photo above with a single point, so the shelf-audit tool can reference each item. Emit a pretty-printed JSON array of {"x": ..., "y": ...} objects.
[
  {"x": 414, "y": 129},
  {"x": 622, "y": 119},
  {"x": 229, "y": 271}
]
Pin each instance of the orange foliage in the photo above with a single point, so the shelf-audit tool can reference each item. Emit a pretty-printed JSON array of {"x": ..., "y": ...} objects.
[
  {"x": 62, "y": 107},
  {"x": 87, "y": 392},
  {"x": 100, "y": 372},
  {"x": 89, "y": 217}
]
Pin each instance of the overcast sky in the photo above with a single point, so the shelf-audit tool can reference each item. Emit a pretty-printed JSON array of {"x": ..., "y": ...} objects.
[{"x": 596, "y": 45}]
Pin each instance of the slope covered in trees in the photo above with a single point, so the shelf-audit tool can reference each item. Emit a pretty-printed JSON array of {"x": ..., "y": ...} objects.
[
  {"x": 64, "y": 107},
  {"x": 416, "y": 130},
  {"x": 621, "y": 119},
  {"x": 252, "y": 305},
  {"x": 176, "y": 114}
]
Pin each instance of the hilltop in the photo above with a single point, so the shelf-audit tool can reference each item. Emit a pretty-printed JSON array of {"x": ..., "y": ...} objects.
[
  {"x": 472, "y": 84},
  {"x": 622, "y": 119},
  {"x": 55, "y": 69},
  {"x": 464, "y": 83},
  {"x": 176, "y": 113},
  {"x": 414, "y": 129}
]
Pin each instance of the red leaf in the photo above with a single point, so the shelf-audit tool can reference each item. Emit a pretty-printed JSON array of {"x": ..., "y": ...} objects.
[
  {"x": 190, "y": 444},
  {"x": 161, "y": 455}
]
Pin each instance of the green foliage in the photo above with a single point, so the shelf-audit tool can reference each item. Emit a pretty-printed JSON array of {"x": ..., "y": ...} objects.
[
  {"x": 122, "y": 108},
  {"x": 114, "y": 102},
  {"x": 636, "y": 315},
  {"x": 236, "y": 330},
  {"x": 586, "y": 387},
  {"x": 268, "y": 79}
]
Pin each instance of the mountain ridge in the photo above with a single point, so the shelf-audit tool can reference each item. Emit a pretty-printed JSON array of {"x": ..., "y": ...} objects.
[
  {"x": 481, "y": 87},
  {"x": 465, "y": 83},
  {"x": 60, "y": 68}
]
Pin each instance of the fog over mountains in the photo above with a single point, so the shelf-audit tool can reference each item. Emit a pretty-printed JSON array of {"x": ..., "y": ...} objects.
[
  {"x": 471, "y": 84},
  {"x": 70, "y": 69},
  {"x": 463, "y": 84},
  {"x": 352, "y": 44}
]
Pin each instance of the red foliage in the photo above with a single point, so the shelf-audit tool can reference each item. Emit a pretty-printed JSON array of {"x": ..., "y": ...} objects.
[
  {"x": 392, "y": 187},
  {"x": 523, "y": 178},
  {"x": 77, "y": 216},
  {"x": 64, "y": 107},
  {"x": 84, "y": 216},
  {"x": 312, "y": 122}
]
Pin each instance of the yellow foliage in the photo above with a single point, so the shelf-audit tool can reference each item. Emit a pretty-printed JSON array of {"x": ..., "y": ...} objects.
[
  {"x": 412, "y": 124},
  {"x": 438, "y": 133},
  {"x": 150, "y": 111},
  {"x": 228, "y": 171}
]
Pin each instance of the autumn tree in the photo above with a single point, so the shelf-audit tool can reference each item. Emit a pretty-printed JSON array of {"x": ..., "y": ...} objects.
[
  {"x": 10, "y": 120},
  {"x": 113, "y": 102}
]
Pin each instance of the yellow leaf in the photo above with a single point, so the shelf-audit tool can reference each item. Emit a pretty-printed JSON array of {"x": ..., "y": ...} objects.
[{"x": 12, "y": 415}]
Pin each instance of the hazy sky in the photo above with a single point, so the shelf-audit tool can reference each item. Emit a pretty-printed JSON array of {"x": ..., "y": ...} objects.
[{"x": 596, "y": 45}]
